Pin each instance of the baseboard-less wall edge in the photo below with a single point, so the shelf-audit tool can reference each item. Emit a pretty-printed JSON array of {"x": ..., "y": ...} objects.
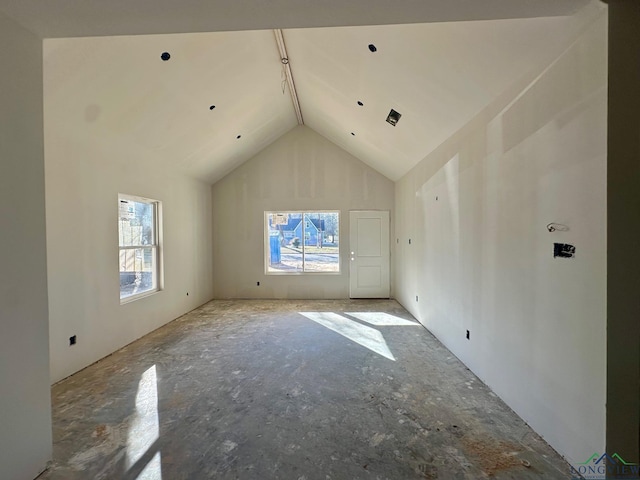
[{"x": 127, "y": 345}]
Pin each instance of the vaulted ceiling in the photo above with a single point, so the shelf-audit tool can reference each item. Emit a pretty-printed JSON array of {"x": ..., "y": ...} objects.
[{"x": 438, "y": 76}]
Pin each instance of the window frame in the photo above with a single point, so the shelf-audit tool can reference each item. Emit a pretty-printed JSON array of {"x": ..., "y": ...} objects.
[
  {"x": 303, "y": 213},
  {"x": 155, "y": 246}
]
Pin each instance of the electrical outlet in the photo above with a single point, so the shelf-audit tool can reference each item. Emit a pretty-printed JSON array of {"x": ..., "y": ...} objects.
[{"x": 258, "y": 284}]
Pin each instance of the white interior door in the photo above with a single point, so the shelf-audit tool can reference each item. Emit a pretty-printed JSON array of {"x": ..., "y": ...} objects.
[{"x": 369, "y": 254}]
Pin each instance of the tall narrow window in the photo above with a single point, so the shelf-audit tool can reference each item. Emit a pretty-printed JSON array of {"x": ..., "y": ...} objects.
[
  {"x": 138, "y": 233},
  {"x": 302, "y": 242}
]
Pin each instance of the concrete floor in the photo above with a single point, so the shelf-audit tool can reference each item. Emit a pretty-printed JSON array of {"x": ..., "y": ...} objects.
[{"x": 253, "y": 389}]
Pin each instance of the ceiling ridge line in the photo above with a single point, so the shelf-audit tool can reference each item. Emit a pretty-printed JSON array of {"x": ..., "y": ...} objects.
[{"x": 284, "y": 58}]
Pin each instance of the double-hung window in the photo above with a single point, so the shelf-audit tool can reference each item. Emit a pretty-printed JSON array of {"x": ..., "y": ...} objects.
[
  {"x": 139, "y": 234},
  {"x": 302, "y": 242}
]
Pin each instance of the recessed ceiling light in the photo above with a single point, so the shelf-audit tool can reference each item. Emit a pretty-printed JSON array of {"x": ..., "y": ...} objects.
[
  {"x": 238, "y": 136},
  {"x": 372, "y": 48},
  {"x": 212, "y": 107},
  {"x": 165, "y": 56},
  {"x": 360, "y": 103},
  {"x": 393, "y": 117}
]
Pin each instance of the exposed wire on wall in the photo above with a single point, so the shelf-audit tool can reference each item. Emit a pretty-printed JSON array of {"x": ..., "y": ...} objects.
[
  {"x": 283, "y": 79},
  {"x": 557, "y": 227}
]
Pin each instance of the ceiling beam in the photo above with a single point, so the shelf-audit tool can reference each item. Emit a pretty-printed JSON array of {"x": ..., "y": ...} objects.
[{"x": 286, "y": 65}]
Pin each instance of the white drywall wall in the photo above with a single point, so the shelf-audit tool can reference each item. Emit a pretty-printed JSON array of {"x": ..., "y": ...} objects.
[
  {"x": 25, "y": 401},
  {"x": 87, "y": 163},
  {"x": 300, "y": 171},
  {"x": 481, "y": 258}
]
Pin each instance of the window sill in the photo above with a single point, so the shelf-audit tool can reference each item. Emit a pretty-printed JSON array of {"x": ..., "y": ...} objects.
[
  {"x": 296, "y": 274},
  {"x": 139, "y": 296}
]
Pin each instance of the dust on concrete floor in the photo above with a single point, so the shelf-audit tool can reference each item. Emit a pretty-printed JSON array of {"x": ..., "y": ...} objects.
[{"x": 254, "y": 389}]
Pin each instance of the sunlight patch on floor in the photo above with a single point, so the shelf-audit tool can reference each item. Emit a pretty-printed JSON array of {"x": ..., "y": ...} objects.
[
  {"x": 361, "y": 334},
  {"x": 145, "y": 427},
  {"x": 382, "y": 319}
]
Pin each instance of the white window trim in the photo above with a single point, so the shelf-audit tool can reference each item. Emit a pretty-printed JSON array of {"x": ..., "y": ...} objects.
[
  {"x": 265, "y": 241},
  {"x": 156, "y": 246}
]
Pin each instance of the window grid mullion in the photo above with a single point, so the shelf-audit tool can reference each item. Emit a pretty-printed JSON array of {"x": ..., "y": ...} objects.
[{"x": 317, "y": 265}]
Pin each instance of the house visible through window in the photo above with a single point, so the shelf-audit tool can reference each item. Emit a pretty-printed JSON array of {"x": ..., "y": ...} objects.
[
  {"x": 138, "y": 233},
  {"x": 302, "y": 242}
]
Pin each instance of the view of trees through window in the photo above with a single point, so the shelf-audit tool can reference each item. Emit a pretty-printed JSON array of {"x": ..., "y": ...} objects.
[
  {"x": 300, "y": 242},
  {"x": 137, "y": 233}
]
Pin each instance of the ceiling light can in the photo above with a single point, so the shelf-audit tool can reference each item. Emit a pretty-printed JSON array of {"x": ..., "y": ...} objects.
[{"x": 393, "y": 117}]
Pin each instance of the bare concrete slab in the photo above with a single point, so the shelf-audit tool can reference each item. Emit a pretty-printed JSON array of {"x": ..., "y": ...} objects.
[{"x": 254, "y": 389}]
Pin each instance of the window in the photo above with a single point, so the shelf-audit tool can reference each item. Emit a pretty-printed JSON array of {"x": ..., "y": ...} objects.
[
  {"x": 138, "y": 233},
  {"x": 302, "y": 242}
]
